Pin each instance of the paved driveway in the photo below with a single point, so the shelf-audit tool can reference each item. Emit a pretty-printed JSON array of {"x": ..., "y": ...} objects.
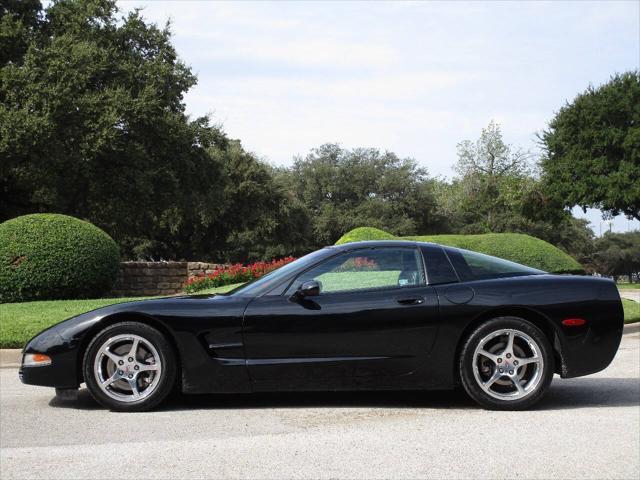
[{"x": 585, "y": 428}]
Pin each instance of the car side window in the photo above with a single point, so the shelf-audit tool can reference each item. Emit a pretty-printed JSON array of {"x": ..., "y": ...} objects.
[
  {"x": 366, "y": 269},
  {"x": 477, "y": 266}
]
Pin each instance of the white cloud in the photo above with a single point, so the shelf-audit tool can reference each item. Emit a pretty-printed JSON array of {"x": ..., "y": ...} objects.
[{"x": 415, "y": 78}]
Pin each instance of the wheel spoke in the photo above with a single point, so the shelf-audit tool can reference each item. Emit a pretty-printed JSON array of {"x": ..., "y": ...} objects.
[
  {"x": 516, "y": 382},
  {"x": 113, "y": 378},
  {"x": 510, "y": 338},
  {"x": 147, "y": 368},
  {"x": 133, "y": 383},
  {"x": 114, "y": 358},
  {"x": 134, "y": 348},
  {"x": 528, "y": 360},
  {"x": 496, "y": 375},
  {"x": 490, "y": 356}
]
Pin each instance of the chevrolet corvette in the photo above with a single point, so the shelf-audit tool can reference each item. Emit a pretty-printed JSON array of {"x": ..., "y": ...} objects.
[{"x": 391, "y": 315}]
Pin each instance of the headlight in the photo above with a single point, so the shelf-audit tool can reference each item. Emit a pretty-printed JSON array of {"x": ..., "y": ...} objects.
[{"x": 36, "y": 360}]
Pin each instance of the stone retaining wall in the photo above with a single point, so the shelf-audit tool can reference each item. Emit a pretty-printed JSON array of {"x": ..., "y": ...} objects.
[{"x": 137, "y": 279}]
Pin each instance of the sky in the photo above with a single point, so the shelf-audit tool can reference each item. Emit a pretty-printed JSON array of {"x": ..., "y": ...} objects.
[{"x": 415, "y": 78}]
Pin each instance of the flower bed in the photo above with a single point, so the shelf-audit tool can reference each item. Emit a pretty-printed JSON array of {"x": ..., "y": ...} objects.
[{"x": 237, "y": 273}]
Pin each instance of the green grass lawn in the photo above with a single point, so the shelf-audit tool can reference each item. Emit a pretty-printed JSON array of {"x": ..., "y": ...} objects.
[
  {"x": 628, "y": 286},
  {"x": 631, "y": 311},
  {"x": 21, "y": 321}
]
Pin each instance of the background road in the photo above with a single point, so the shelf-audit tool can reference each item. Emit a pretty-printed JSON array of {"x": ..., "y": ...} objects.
[{"x": 585, "y": 428}]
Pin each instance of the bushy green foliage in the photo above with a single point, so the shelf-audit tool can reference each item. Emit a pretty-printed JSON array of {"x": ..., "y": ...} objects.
[
  {"x": 341, "y": 189},
  {"x": 51, "y": 256},
  {"x": 93, "y": 125},
  {"x": 516, "y": 247},
  {"x": 593, "y": 148},
  {"x": 617, "y": 254},
  {"x": 364, "y": 233},
  {"x": 497, "y": 190}
]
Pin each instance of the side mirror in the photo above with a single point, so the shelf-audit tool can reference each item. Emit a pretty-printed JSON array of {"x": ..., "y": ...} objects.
[{"x": 308, "y": 289}]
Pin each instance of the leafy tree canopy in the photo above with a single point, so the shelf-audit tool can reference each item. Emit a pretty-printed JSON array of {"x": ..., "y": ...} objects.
[
  {"x": 497, "y": 190},
  {"x": 617, "y": 254},
  {"x": 593, "y": 149},
  {"x": 93, "y": 125},
  {"x": 342, "y": 189}
]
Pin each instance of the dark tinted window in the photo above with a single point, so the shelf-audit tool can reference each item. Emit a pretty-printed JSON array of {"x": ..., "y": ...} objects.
[
  {"x": 439, "y": 269},
  {"x": 477, "y": 266}
]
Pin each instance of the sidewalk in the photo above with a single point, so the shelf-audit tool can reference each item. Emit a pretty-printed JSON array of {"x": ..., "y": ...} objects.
[{"x": 630, "y": 294}]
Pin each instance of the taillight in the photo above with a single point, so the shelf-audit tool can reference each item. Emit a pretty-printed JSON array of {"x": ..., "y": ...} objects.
[{"x": 573, "y": 322}]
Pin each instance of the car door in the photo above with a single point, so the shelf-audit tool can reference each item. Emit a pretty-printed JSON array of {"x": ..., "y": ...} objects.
[{"x": 374, "y": 317}]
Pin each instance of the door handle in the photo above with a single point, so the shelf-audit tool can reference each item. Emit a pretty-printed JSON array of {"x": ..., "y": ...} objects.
[{"x": 410, "y": 300}]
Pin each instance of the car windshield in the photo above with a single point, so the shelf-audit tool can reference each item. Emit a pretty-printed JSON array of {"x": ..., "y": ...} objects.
[{"x": 268, "y": 281}]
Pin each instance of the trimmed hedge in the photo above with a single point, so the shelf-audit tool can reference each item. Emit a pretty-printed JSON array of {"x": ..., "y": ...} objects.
[
  {"x": 365, "y": 233},
  {"x": 517, "y": 247},
  {"x": 51, "y": 256}
]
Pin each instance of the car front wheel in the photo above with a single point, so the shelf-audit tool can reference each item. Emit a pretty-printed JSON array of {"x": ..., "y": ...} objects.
[
  {"x": 506, "y": 364},
  {"x": 129, "y": 366}
]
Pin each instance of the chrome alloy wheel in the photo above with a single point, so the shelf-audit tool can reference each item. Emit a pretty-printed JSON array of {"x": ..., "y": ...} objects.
[
  {"x": 127, "y": 368},
  {"x": 508, "y": 364}
]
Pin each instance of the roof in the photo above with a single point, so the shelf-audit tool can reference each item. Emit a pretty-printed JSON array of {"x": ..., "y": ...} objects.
[{"x": 379, "y": 243}]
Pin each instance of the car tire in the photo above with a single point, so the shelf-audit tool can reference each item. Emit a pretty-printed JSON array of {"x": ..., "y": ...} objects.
[
  {"x": 506, "y": 363},
  {"x": 129, "y": 367}
]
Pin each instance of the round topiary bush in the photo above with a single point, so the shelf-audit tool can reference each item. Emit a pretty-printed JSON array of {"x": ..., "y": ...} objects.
[
  {"x": 50, "y": 256},
  {"x": 365, "y": 233}
]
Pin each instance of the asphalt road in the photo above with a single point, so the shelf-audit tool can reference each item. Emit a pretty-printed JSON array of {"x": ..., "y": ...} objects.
[{"x": 585, "y": 428}]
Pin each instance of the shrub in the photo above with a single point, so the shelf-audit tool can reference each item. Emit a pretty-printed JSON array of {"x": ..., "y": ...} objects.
[
  {"x": 237, "y": 273},
  {"x": 516, "y": 247},
  {"x": 51, "y": 256},
  {"x": 365, "y": 233}
]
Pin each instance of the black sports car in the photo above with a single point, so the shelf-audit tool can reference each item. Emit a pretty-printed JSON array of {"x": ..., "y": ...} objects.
[{"x": 367, "y": 315}]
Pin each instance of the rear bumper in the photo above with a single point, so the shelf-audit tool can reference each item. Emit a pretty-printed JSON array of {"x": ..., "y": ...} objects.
[{"x": 592, "y": 348}]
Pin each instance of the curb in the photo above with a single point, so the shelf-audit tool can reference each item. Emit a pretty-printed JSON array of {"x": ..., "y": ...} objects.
[
  {"x": 12, "y": 357},
  {"x": 632, "y": 328}
]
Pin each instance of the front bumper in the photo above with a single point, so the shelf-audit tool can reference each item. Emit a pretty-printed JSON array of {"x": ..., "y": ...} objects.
[{"x": 63, "y": 372}]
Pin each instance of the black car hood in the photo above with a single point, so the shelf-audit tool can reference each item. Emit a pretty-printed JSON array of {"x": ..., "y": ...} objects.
[{"x": 73, "y": 329}]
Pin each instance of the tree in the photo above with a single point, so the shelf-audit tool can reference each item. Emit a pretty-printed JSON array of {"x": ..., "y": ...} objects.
[
  {"x": 490, "y": 156},
  {"x": 93, "y": 125},
  {"x": 592, "y": 148},
  {"x": 618, "y": 254},
  {"x": 496, "y": 190},
  {"x": 493, "y": 177},
  {"x": 20, "y": 22},
  {"x": 261, "y": 218},
  {"x": 343, "y": 189}
]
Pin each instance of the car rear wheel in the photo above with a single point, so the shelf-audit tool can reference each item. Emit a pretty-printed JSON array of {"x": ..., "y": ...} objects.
[
  {"x": 129, "y": 366},
  {"x": 506, "y": 364}
]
